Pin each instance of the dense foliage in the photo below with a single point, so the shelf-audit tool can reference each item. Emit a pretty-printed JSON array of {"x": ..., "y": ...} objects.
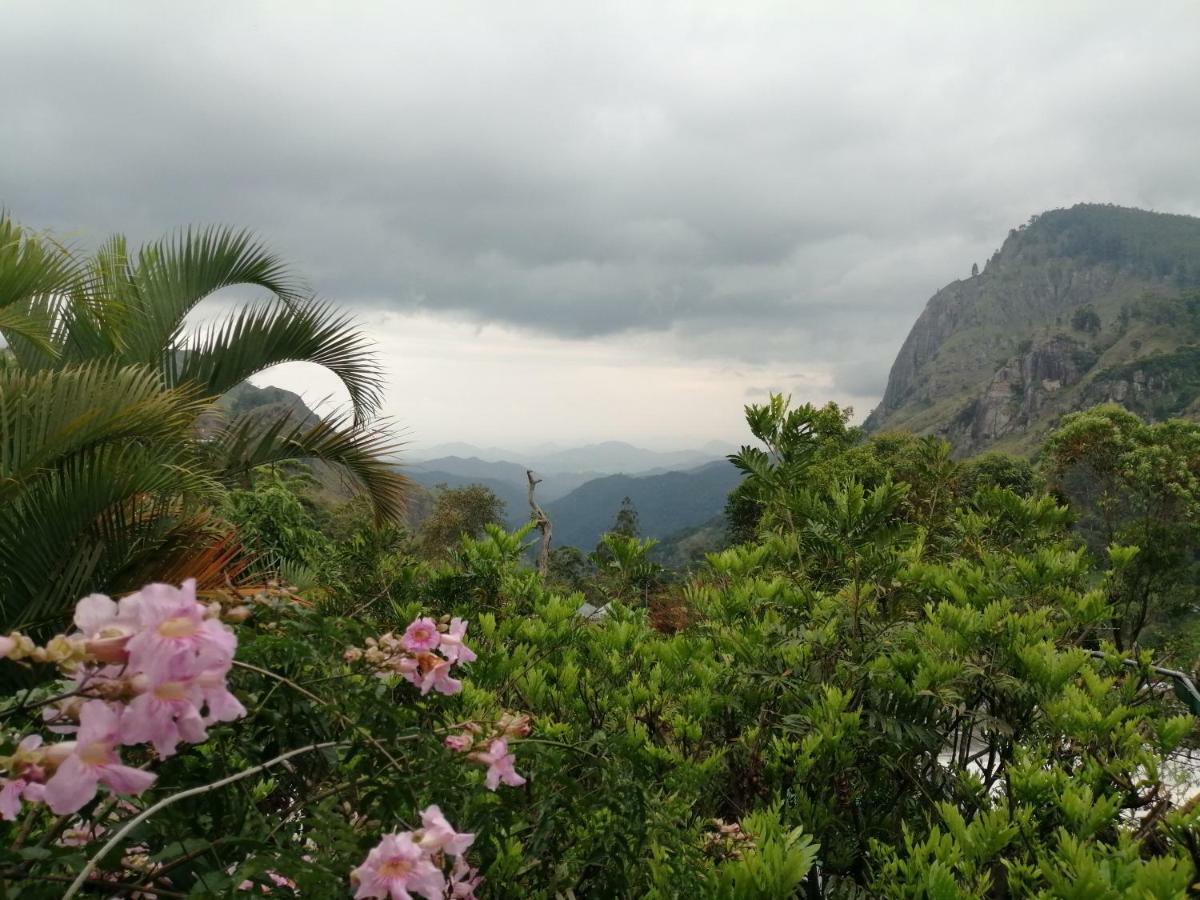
[
  {"x": 1156, "y": 245},
  {"x": 908, "y": 676},
  {"x": 887, "y": 693}
]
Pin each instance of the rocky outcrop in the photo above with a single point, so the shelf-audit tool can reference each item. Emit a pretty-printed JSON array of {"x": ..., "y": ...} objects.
[{"x": 1019, "y": 392}]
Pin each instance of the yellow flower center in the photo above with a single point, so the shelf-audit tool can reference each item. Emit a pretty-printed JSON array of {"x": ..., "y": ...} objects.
[
  {"x": 94, "y": 754},
  {"x": 395, "y": 867},
  {"x": 171, "y": 690},
  {"x": 177, "y": 627}
]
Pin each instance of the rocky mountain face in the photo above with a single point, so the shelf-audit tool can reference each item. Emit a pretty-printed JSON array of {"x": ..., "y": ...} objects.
[{"x": 1081, "y": 306}]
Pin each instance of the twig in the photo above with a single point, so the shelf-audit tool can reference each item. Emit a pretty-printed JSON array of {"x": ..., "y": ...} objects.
[
  {"x": 82, "y": 877},
  {"x": 123, "y": 886}
]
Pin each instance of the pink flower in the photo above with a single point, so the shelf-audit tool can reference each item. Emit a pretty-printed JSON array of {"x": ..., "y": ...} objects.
[
  {"x": 220, "y": 704},
  {"x": 174, "y": 628},
  {"x": 81, "y": 834},
  {"x": 420, "y": 636},
  {"x": 13, "y": 791},
  {"x": 26, "y": 765},
  {"x": 106, "y": 625},
  {"x": 452, "y": 645},
  {"x": 437, "y": 835},
  {"x": 500, "y": 765},
  {"x": 438, "y": 678},
  {"x": 92, "y": 761},
  {"x": 460, "y": 743},
  {"x": 463, "y": 880},
  {"x": 164, "y": 715},
  {"x": 513, "y": 725},
  {"x": 396, "y": 869},
  {"x": 280, "y": 880}
]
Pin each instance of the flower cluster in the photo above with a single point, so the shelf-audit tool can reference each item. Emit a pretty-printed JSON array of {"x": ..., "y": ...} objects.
[
  {"x": 728, "y": 841},
  {"x": 490, "y": 748},
  {"x": 423, "y": 655},
  {"x": 150, "y": 668},
  {"x": 414, "y": 862}
]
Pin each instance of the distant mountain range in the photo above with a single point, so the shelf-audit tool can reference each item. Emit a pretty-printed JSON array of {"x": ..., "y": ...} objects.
[
  {"x": 606, "y": 458},
  {"x": 1081, "y": 306},
  {"x": 582, "y": 508},
  {"x": 581, "y": 488},
  {"x": 456, "y": 469}
]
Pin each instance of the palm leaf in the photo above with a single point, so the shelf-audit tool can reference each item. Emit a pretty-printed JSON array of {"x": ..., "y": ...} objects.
[
  {"x": 171, "y": 276},
  {"x": 226, "y": 353},
  {"x": 96, "y": 461},
  {"x": 46, "y": 417},
  {"x": 35, "y": 272},
  {"x": 362, "y": 453},
  {"x": 77, "y": 527}
]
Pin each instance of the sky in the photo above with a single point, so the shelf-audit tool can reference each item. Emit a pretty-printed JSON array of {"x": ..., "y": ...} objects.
[{"x": 576, "y": 222}]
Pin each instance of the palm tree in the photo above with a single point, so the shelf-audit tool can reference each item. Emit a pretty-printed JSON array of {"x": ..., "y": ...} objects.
[{"x": 105, "y": 479}]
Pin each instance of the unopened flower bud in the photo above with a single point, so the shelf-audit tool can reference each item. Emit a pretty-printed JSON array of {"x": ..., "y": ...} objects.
[
  {"x": 237, "y": 614},
  {"x": 514, "y": 725},
  {"x": 16, "y": 646},
  {"x": 61, "y": 649}
]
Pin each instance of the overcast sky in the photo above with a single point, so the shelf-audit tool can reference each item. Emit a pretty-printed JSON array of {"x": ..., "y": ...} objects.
[{"x": 572, "y": 222}]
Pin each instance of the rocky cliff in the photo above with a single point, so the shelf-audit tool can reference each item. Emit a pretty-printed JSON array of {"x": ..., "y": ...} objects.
[{"x": 1080, "y": 306}]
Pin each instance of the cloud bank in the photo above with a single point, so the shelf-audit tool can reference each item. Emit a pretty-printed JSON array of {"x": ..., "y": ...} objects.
[{"x": 744, "y": 187}]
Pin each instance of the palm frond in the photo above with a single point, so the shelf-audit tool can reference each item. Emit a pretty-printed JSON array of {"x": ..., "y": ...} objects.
[
  {"x": 171, "y": 276},
  {"x": 46, "y": 417},
  {"x": 200, "y": 546},
  {"x": 30, "y": 265},
  {"x": 226, "y": 353},
  {"x": 26, "y": 325},
  {"x": 76, "y": 527},
  {"x": 363, "y": 453},
  {"x": 35, "y": 272}
]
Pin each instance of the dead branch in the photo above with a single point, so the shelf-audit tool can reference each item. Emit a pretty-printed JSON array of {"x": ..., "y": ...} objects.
[{"x": 541, "y": 521}]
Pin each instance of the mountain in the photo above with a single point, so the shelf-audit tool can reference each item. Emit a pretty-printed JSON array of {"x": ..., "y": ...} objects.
[
  {"x": 1080, "y": 306},
  {"x": 605, "y": 458},
  {"x": 687, "y": 548},
  {"x": 666, "y": 503},
  {"x": 551, "y": 487},
  {"x": 332, "y": 487},
  {"x": 620, "y": 457},
  {"x": 464, "y": 451}
]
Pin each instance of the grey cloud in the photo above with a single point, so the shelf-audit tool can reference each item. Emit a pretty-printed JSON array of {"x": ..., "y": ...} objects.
[{"x": 765, "y": 185}]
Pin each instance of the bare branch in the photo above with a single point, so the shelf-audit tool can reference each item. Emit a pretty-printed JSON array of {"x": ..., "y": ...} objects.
[{"x": 542, "y": 522}]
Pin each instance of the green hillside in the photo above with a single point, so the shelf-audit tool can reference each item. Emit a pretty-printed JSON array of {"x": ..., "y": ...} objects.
[
  {"x": 1080, "y": 306},
  {"x": 666, "y": 503}
]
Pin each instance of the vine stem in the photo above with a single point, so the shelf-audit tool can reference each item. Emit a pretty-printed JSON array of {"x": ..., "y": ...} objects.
[{"x": 146, "y": 813}]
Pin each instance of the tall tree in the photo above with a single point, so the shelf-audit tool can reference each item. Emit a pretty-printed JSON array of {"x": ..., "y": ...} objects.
[
  {"x": 459, "y": 512},
  {"x": 1135, "y": 489}
]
